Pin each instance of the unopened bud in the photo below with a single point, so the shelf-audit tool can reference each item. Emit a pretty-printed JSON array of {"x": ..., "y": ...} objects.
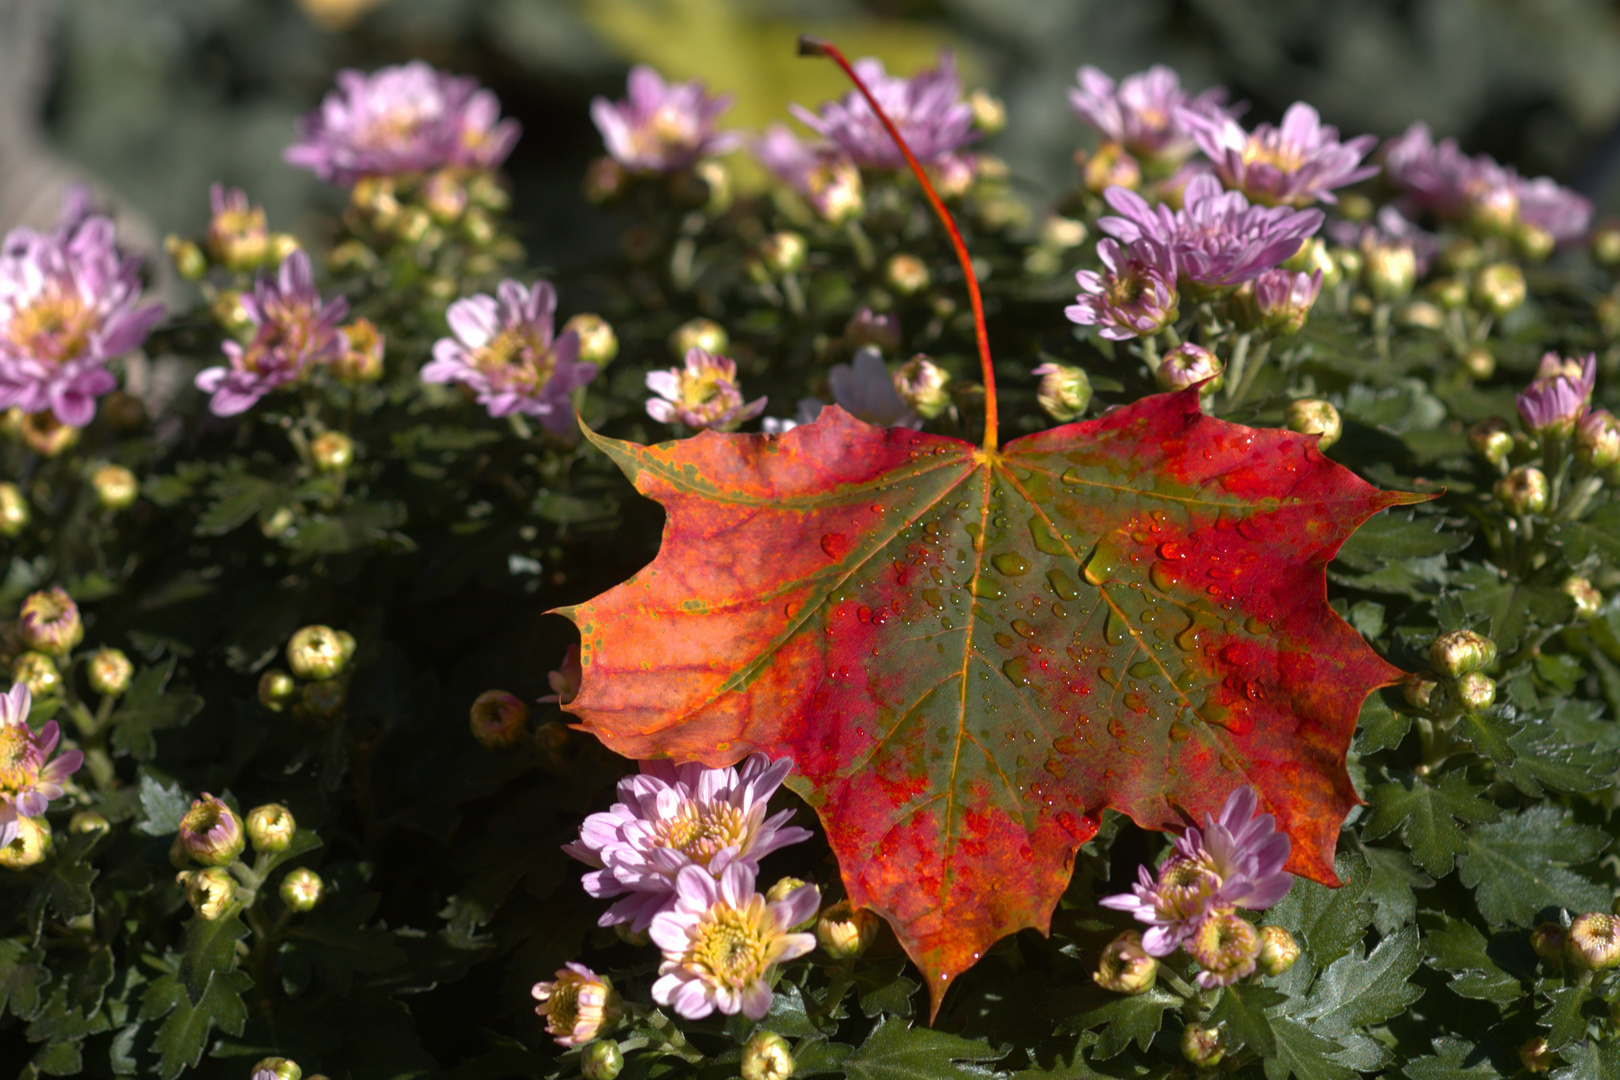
[
  {"x": 1476, "y": 691},
  {"x": 1461, "y": 651},
  {"x": 115, "y": 486},
  {"x": 718, "y": 189},
  {"x": 277, "y": 689},
  {"x": 1536, "y": 1055},
  {"x": 1064, "y": 392},
  {"x": 922, "y": 384},
  {"x": 1593, "y": 941},
  {"x": 498, "y": 719},
  {"x": 1278, "y": 950},
  {"x": 1349, "y": 262},
  {"x": 844, "y": 932},
  {"x": 705, "y": 334},
  {"x": 1062, "y": 233},
  {"x": 785, "y": 885},
  {"x": 1110, "y": 166},
  {"x": 989, "y": 113},
  {"x": 1524, "y": 490},
  {"x": 38, "y": 672},
  {"x": 634, "y": 938},
  {"x": 605, "y": 180},
  {"x": 1606, "y": 243},
  {"x": 1425, "y": 692},
  {"x": 333, "y": 451},
  {"x": 1189, "y": 365},
  {"x": 1202, "y": 1045},
  {"x": 30, "y": 846},
  {"x": 110, "y": 672},
  {"x": 1491, "y": 439},
  {"x": 1499, "y": 288},
  {"x": 766, "y": 1057},
  {"x": 318, "y": 652},
  {"x": 49, "y": 622},
  {"x": 566, "y": 680},
  {"x": 1547, "y": 940},
  {"x": 1125, "y": 967},
  {"x": 271, "y": 828},
  {"x": 209, "y": 892},
  {"x": 1389, "y": 270},
  {"x": 1597, "y": 439},
  {"x": 302, "y": 889},
  {"x": 14, "y": 512},
  {"x": 598, "y": 344},
  {"x": 361, "y": 360},
  {"x": 1533, "y": 242},
  {"x": 880, "y": 329},
  {"x": 277, "y": 1068},
  {"x": 1479, "y": 364},
  {"x": 1588, "y": 601},
  {"x": 320, "y": 700},
  {"x": 1420, "y": 313},
  {"x": 211, "y": 833},
  {"x": 906, "y": 274},
  {"x": 88, "y": 821},
  {"x": 1313, "y": 416},
  {"x": 601, "y": 1060},
  {"x": 189, "y": 259},
  {"x": 1449, "y": 293},
  {"x": 1461, "y": 255},
  {"x": 783, "y": 252}
]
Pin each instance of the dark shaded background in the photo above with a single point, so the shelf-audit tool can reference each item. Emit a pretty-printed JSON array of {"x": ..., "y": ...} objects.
[{"x": 154, "y": 99}]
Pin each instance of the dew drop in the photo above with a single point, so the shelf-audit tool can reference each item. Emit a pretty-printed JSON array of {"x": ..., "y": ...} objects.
[
  {"x": 1026, "y": 853},
  {"x": 1010, "y": 563},
  {"x": 1143, "y": 669},
  {"x": 1068, "y": 823},
  {"x": 1005, "y": 640},
  {"x": 836, "y": 545},
  {"x": 863, "y": 613},
  {"x": 1059, "y": 611},
  {"x": 1255, "y": 625},
  {"x": 1116, "y": 630},
  {"x": 1064, "y": 585},
  {"x": 1100, "y": 568},
  {"x": 1016, "y": 670},
  {"x": 987, "y": 589},
  {"x": 1022, "y": 628},
  {"x": 1162, "y": 576},
  {"x": 1109, "y": 676},
  {"x": 1074, "y": 475}
]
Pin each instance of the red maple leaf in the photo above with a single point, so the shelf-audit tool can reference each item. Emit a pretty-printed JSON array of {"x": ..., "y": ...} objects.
[{"x": 969, "y": 653}]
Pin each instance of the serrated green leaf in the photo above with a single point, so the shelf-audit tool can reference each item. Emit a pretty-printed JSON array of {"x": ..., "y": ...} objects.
[
  {"x": 1591, "y": 1059},
  {"x": 21, "y": 977},
  {"x": 73, "y": 1010},
  {"x": 814, "y": 1055},
  {"x": 1563, "y": 1018},
  {"x": 885, "y": 989},
  {"x": 65, "y": 885},
  {"x": 147, "y": 709},
  {"x": 1458, "y": 947},
  {"x": 162, "y": 807},
  {"x": 897, "y": 1051},
  {"x": 1326, "y": 922},
  {"x": 1242, "y": 1012},
  {"x": 1512, "y": 608},
  {"x": 210, "y": 948},
  {"x": 1119, "y": 1019},
  {"x": 60, "y": 1059},
  {"x": 1380, "y": 727},
  {"x": 1303, "y": 1054},
  {"x": 1490, "y": 734},
  {"x": 1520, "y": 864},
  {"x": 184, "y": 1035},
  {"x": 1354, "y": 993},
  {"x": 1459, "y": 1059},
  {"x": 237, "y": 498},
  {"x": 1600, "y": 532},
  {"x": 1543, "y": 760},
  {"x": 1425, "y": 813},
  {"x": 335, "y": 941},
  {"x": 1391, "y": 887}
]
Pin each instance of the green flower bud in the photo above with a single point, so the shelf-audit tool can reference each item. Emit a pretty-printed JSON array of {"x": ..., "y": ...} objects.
[
  {"x": 1491, "y": 439},
  {"x": 362, "y": 358},
  {"x": 598, "y": 344},
  {"x": 1536, "y": 1055},
  {"x": 703, "y": 334},
  {"x": 333, "y": 451},
  {"x": 1498, "y": 288},
  {"x": 1450, "y": 293},
  {"x": 906, "y": 274},
  {"x": 605, "y": 181},
  {"x": 922, "y": 384},
  {"x": 498, "y": 719},
  {"x": 1425, "y": 692},
  {"x": 88, "y": 821},
  {"x": 189, "y": 259},
  {"x": 1278, "y": 950},
  {"x": 1533, "y": 242},
  {"x": 211, "y": 833},
  {"x": 1593, "y": 941},
  {"x": 302, "y": 889},
  {"x": 989, "y": 112},
  {"x": 844, "y": 932},
  {"x": 1420, "y": 313},
  {"x": 209, "y": 892},
  {"x": 1597, "y": 439},
  {"x": 277, "y": 1068},
  {"x": 1461, "y": 256},
  {"x": 276, "y": 689},
  {"x": 1124, "y": 967},
  {"x": 601, "y": 1060},
  {"x": 271, "y": 828},
  {"x": 1110, "y": 166},
  {"x": 115, "y": 486},
  {"x": 1476, "y": 691},
  {"x": 1389, "y": 270},
  {"x": 1547, "y": 940},
  {"x": 1189, "y": 365},
  {"x": 766, "y": 1057},
  {"x": 1523, "y": 491},
  {"x": 1588, "y": 601},
  {"x": 1479, "y": 364},
  {"x": 38, "y": 672},
  {"x": 783, "y": 253},
  {"x": 1605, "y": 243},
  {"x": 49, "y": 622},
  {"x": 109, "y": 672},
  {"x": 320, "y": 700},
  {"x": 14, "y": 512},
  {"x": 1062, "y": 233},
  {"x": 30, "y": 846},
  {"x": 1202, "y": 1045},
  {"x": 1064, "y": 392},
  {"x": 318, "y": 652},
  {"x": 1460, "y": 652},
  {"x": 1313, "y": 416}
]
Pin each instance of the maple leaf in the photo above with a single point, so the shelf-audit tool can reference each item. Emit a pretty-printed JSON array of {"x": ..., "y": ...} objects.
[{"x": 969, "y": 653}]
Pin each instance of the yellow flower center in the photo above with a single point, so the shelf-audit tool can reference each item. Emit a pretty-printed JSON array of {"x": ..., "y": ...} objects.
[
  {"x": 1285, "y": 157},
  {"x": 396, "y": 126},
  {"x": 18, "y": 769},
  {"x": 563, "y": 1012},
  {"x": 700, "y": 832},
  {"x": 1184, "y": 884},
  {"x": 515, "y": 357},
  {"x": 730, "y": 944},
  {"x": 55, "y": 327},
  {"x": 670, "y": 126}
]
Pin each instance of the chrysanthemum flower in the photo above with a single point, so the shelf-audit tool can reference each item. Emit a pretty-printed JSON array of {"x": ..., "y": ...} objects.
[
  {"x": 503, "y": 350},
  {"x": 1296, "y": 164},
  {"x": 578, "y": 1005},
  {"x": 1283, "y": 298},
  {"x": 29, "y": 777},
  {"x": 928, "y": 109},
  {"x": 1559, "y": 395},
  {"x": 1226, "y": 946},
  {"x": 722, "y": 942},
  {"x": 409, "y": 118},
  {"x": 1235, "y": 861},
  {"x": 68, "y": 304},
  {"x": 702, "y": 394},
  {"x": 1217, "y": 238},
  {"x": 827, "y": 177},
  {"x": 1143, "y": 112},
  {"x": 661, "y": 127},
  {"x": 1136, "y": 297},
  {"x": 238, "y": 234},
  {"x": 671, "y": 817}
]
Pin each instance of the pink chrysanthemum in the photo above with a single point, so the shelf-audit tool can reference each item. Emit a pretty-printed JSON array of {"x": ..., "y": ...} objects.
[
  {"x": 294, "y": 330},
  {"x": 1136, "y": 297},
  {"x": 668, "y": 818},
  {"x": 1235, "y": 861},
  {"x": 578, "y": 1005},
  {"x": 68, "y": 304},
  {"x": 29, "y": 777},
  {"x": 1216, "y": 237},
  {"x": 1226, "y": 946},
  {"x": 1296, "y": 164},
  {"x": 927, "y": 109},
  {"x": 827, "y": 177},
  {"x": 408, "y": 118},
  {"x": 722, "y": 942},
  {"x": 1559, "y": 395},
  {"x": 1143, "y": 112},
  {"x": 503, "y": 350},
  {"x": 661, "y": 127},
  {"x": 704, "y": 393}
]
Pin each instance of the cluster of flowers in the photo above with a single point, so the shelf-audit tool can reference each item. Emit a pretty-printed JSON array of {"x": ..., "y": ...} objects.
[
  {"x": 1235, "y": 861},
  {"x": 681, "y": 849}
]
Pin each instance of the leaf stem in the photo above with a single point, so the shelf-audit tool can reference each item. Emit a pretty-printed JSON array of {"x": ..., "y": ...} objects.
[{"x": 811, "y": 46}]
